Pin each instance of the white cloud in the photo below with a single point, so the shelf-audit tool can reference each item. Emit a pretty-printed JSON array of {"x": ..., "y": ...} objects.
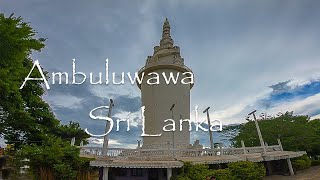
[
  {"x": 305, "y": 106},
  {"x": 236, "y": 49},
  {"x": 315, "y": 117},
  {"x": 112, "y": 143},
  {"x": 61, "y": 100},
  {"x": 134, "y": 117},
  {"x": 304, "y": 80},
  {"x": 112, "y": 91},
  {"x": 99, "y": 141},
  {"x": 234, "y": 113}
]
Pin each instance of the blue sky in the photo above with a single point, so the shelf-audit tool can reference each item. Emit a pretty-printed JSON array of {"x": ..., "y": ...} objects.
[{"x": 245, "y": 55}]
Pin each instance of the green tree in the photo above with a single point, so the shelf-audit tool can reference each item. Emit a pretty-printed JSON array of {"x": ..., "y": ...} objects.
[
  {"x": 72, "y": 130},
  {"x": 28, "y": 117},
  {"x": 315, "y": 127},
  {"x": 26, "y": 120},
  {"x": 297, "y": 133},
  {"x": 25, "y": 117},
  {"x": 55, "y": 158}
]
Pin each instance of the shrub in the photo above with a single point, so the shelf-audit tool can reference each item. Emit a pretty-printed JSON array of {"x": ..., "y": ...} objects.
[
  {"x": 198, "y": 171},
  {"x": 301, "y": 163},
  {"x": 194, "y": 172},
  {"x": 222, "y": 174},
  {"x": 243, "y": 170},
  {"x": 5, "y": 173},
  {"x": 201, "y": 171},
  {"x": 247, "y": 170},
  {"x": 182, "y": 176},
  {"x": 315, "y": 163}
]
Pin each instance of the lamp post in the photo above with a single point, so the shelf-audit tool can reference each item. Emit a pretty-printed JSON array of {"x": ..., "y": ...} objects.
[
  {"x": 209, "y": 124},
  {"x": 258, "y": 129},
  {"x": 105, "y": 170},
  {"x": 105, "y": 138},
  {"x": 171, "y": 109}
]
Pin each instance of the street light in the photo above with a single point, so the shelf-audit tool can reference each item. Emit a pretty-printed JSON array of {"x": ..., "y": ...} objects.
[
  {"x": 258, "y": 129},
  {"x": 209, "y": 124},
  {"x": 105, "y": 138},
  {"x": 171, "y": 109}
]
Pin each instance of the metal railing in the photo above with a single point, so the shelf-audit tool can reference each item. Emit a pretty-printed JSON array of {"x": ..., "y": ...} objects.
[{"x": 123, "y": 153}]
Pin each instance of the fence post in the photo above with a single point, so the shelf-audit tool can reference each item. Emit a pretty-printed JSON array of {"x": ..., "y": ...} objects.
[{"x": 243, "y": 147}]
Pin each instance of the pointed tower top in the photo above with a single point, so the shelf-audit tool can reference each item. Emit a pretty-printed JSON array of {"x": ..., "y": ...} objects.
[
  {"x": 165, "y": 55},
  {"x": 166, "y": 22},
  {"x": 166, "y": 40}
]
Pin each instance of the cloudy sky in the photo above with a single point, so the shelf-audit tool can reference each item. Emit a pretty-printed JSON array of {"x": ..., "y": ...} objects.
[{"x": 245, "y": 55}]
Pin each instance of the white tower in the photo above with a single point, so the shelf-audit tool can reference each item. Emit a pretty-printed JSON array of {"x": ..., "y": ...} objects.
[{"x": 158, "y": 99}]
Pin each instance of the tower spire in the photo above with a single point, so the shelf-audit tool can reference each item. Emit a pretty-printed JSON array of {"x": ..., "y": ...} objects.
[{"x": 166, "y": 40}]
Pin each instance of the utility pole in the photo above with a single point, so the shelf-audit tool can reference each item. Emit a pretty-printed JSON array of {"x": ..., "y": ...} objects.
[
  {"x": 209, "y": 124},
  {"x": 258, "y": 129},
  {"x": 105, "y": 138},
  {"x": 171, "y": 109}
]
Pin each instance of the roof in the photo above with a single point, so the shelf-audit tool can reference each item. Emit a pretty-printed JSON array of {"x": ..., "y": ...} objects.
[
  {"x": 177, "y": 163},
  {"x": 136, "y": 164}
]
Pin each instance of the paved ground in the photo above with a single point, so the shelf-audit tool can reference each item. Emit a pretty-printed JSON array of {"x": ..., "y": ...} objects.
[{"x": 312, "y": 173}]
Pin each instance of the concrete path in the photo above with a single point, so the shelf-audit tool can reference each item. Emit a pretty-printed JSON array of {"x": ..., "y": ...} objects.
[{"x": 312, "y": 173}]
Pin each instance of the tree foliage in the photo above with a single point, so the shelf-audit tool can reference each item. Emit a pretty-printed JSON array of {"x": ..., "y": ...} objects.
[
  {"x": 242, "y": 170},
  {"x": 28, "y": 117},
  {"x": 26, "y": 120},
  {"x": 301, "y": 163},
  {"x": 70, "y": 131},
  {"x": 55, "y": 158},
  {"x": 297, "y": 133},
  {"x": 194, "y": 172}
]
